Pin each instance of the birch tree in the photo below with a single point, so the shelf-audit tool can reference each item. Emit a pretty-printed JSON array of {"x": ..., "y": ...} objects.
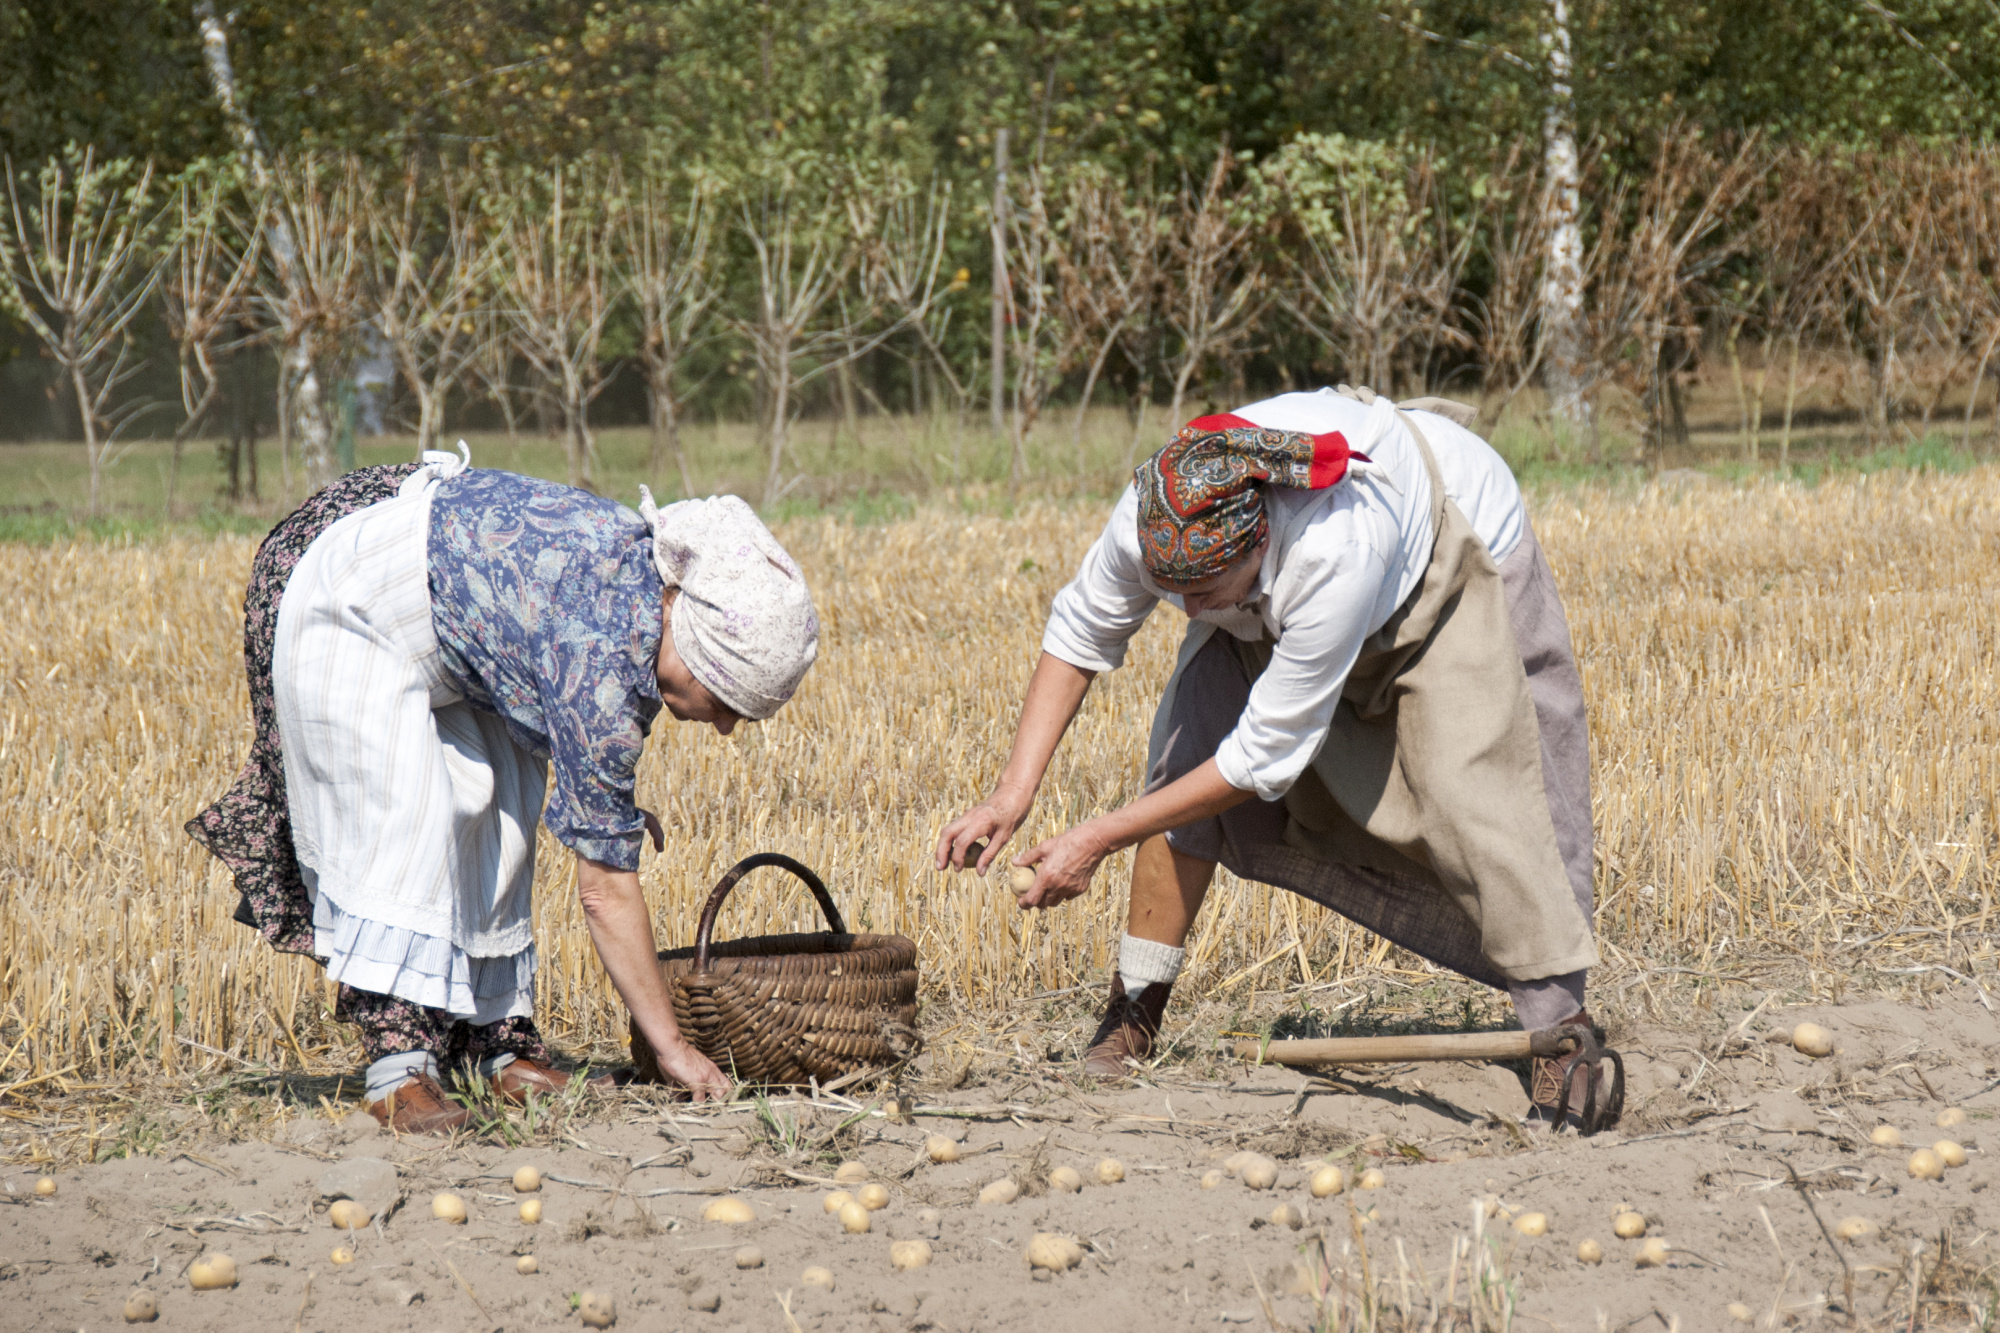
[{"x": 1562, "y": 335}]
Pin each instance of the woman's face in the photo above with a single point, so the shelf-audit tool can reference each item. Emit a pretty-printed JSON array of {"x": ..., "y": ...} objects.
[
  {"x": 1231, "y": 588},
  {"x": 685, "y": 697}
]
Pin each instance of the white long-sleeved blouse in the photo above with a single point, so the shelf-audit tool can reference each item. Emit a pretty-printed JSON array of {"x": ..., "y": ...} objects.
[{"x": 1339, "y": 563}]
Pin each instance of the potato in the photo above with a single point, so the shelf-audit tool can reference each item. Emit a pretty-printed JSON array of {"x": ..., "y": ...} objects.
[
  {"x": 141, "y": 1307},
  {"x": 527, "y": 1180},
  {"x": 1740, "y": 1312},
  {"x": 1371, "y": 1179},
  {"x": 448, "y": 1207},
  {"x": 941, "y": 1149},
  {"x": 1652, "y": 1253},
  {"x": 749, "y": 1257},
  {"x": 1949, "y": 1153},
  {"x": 1925, "y": 1164},
  {"x": 45, "y": 1188},
  {"x": 1284, "y": 1215},
  {"x": 1212, "y": 1179},
  {"x": 1259, "y": 1173},
  {"x": 817, "y": 1277},
  {"x": 1065, "y": 1179},
  {"x": 1002, "y": 1190},
  {"x": 854, "y": 1218},
  {"x": 1950, "y": 1117},
  {"x": 1020, "y": 879},
  {"x": 1886, "y": 1136},
  {"x": 1110, "y": 1171},
  {"x": 1233, "y": 1163},
  {"x": 1532, "y": 1224},
  {"x": 347, "y": 1215},
  {"x": 531, "y": 1211},
  {"x": 1327, "y": 1182},
  {"x": 851, "y": 1173},
  {"x": 342, "y": 1254},
  {"x": 1853, "y": 1228},
  {"x": 526, "y": 1265},
  {"x": 1628, "y": 1226},
  {"x": 212, "y": 1272},
  {"x": 1056, "y": 1253},
  {"x": 596, "y": 1310},
  {"x": 872, "y": 1197},
  {"x": 1812, "y": 1039},
  {"x": 836, "y": 1201},
  {"x": 730, "y": 1211},
  {"x": 905, "y": 1255},
  {"x": 1589, "y": 1252}
]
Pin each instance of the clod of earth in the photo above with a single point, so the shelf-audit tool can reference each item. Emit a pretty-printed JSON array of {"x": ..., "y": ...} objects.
[
  {"x": 1259, "y": 1173},
  {"x": 525, "y": 1265},
  {"x": 347, "y": 1215},
  {"x": 749, "y": 1257},
  {"x": 1924, "y": 1164},
  {"x": 854, "y": 1217},
  {"x": 941, "y": 1149},
  {"x": 1054, "y": 1252},
  {"x": 141, "y": 1307},
  {"x": 212, "y": 1272},
  {"x": 596, "y": 1310},
  {"x": 1327, "y": 1182},
  {"x": 730, "y": 1211},
  {"x": 851, "y": 1173},
  {"x": 531, "y": 1211},
  {"x": 1002, "y": 1190},
  {"x": 45, "y": 1188},
  {"x": 1853, "y": 1228},
  {"x": 1652, "y": 1254},
  {"x": 1949, "y": 1153},
  {"x": 1372, "y": 1179},
  {"x": 341, "y": 1255},
  {"x": 527, "y": 1180},
  {"x": 1950, "y": 1117},
  {"x": 448, "y": 1207},
  {"x": 1065, "y": 1180},
  {"x": 817, "y": 1277},
  {"x": 1589, "y": 1252},
  {"x": 1886, "y": 1136},
  {"x": 1532, "y": 1224},
  {"x": 1284, "y": 1215},
  {"x": 836, "y": 1201},
  {"x": 905, "y": 1255},
  {"x": 1110, "y": 1171},
  {"x": 1812, "y": 1039},
  {"x": 1212, "y": 1179},
  {"x": 872, "y": 1197},
  {"x": 1628, "y": 1226}
]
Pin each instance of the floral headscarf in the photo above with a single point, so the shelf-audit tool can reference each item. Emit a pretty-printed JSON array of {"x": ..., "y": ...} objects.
[{"x": 1200, "y": 509}]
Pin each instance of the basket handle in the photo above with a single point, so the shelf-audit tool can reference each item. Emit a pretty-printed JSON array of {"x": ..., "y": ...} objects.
[{"x": 737, "y": 872}]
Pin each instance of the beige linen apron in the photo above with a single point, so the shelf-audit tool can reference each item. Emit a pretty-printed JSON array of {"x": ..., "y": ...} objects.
[{"x": 1431, "y": 775}]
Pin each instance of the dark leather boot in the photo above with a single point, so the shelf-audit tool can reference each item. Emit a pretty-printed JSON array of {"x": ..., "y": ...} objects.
[
  {"x": 1545, "y": 1083},
  {"x": 1130, "y": 1027}
]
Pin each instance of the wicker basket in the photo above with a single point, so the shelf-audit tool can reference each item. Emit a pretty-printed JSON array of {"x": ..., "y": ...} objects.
[{"x": 788, "y": 1009}]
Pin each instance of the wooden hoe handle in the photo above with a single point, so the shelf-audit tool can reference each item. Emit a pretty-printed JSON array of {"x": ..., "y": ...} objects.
[{"x": 1384, "y": 1050}]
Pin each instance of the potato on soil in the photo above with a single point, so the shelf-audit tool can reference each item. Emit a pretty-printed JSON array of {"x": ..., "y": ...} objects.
[
  {"x": 341, "y": 1255},
  {"x": 1948, "y": 1152},
  {"x": 1259, "y": 1173},
  {"x": 905, "y": 1255},
  {"x": 1002, "y": 1190},
  {"x": 1532, "y": 1224},
  {"x": 525, "y": 1265},
  {"x": 448, "y": 1207},
  {"x": 1065, "y": 1180},
  {"x": 531, "y": 1211},
  {"x": 1853, "y": 1228},
  {"x": 1812, "y": 1039},
  {"x": 1589, "y": 1252},
  {"x": 141, "y": 1307},
  {"x": 1212, "y": 1179},
  {"x": 941, "y": 1149},
  {"x": 730, "y": 1211},
  {"x": 212, "y": 1272},
  {"x": 851, "y": 1173},
  {"x": 596, "y": 1310},
  {"x": 872, "y": 1197},
  {"x": 1110, "y": 1171},
  {"x": 1740, "y": 1312},
  {"x": 749, "y": 1257},
  {"x": 527, "y": 1180},
  {"x": 347, "y": 1215},
  {"x": 1652, "y": 1253},
  {"x": 1949, "y": 1117},
  {"x": 1327, "y": 1182},
  {"x": 1628, "y": 1226},
  {"x": 1886, "y": 1136},
  {"x": 854, "y": 1218},
  {"x": 1925, "y": 1164},
  {"x": 1284, "y": 1215},
  {"x": 836, "y": 1201},
  {"x": 1054, "y": 1252},
  {"x": 817, "y": 1277},
  {"x": 1372, "y": 1179},
  {"x": 45, "y": 1188}
]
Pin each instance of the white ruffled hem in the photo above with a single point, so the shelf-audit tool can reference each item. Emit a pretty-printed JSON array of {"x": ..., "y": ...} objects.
[{"x": 423, "y": 969}]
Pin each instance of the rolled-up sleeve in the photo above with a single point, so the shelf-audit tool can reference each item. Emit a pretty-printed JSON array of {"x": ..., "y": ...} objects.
[
  {"x": 1096, "y": 614},
  {"x": 1331, "y": 596}
]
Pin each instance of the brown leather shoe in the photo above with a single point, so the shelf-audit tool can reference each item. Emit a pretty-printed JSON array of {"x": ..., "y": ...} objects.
[
  {"x": 1131, "y": 1024},
  {"x": 419, "y": 1106},
  {"x": 521, "y": 1077}
]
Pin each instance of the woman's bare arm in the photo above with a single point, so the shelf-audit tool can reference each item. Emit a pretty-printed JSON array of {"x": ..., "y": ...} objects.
[
  {"x": 1065, "y": 863},
  {"x": 1055, "y": 692}
]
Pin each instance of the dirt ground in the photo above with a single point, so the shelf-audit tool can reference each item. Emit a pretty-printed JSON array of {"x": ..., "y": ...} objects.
[{"x": 1742, "y": 1155}]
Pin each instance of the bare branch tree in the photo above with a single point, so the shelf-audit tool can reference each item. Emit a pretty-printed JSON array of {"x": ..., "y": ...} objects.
[
  {"x": 204, "y": 290},
  {"x": 1108, "y": 274},
  {"x": 1212, "y": 278},
  {"x": 1512, "y": 222}
]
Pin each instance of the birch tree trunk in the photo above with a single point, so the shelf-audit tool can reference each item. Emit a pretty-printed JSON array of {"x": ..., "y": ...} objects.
[
  {"x": 1002, "y": 287},
  {"x": 1562, "y": 280}
]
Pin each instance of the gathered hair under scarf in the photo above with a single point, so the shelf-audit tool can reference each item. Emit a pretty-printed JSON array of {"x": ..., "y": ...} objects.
[
  {"x": 1200, "y": 506},
  {"x": 744, "y": 620}
]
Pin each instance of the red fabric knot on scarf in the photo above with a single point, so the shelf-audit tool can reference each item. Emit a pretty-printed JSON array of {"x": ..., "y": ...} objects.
[{"x": 1200, "y": 506}]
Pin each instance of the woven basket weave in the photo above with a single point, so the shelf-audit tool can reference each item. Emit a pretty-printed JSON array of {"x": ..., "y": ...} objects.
[{"x": 788, "y": 1009}]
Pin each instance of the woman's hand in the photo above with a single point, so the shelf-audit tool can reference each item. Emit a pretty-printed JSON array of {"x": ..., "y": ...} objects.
[
  {"x": 694, "y": 1071},
  {"x": 992, "y": 823},
  {"x": 1064, "y": 866}
]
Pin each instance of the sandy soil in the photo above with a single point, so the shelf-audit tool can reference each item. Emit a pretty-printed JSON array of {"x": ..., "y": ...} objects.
[{"x": 1714, "y": 1129}]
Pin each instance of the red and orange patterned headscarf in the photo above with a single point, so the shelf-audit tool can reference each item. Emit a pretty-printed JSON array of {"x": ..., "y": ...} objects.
[{"x": 1200, "y": 509}]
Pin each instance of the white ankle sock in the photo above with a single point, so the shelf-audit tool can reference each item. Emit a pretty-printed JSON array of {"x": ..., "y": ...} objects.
[
  {"x": 1142, "y": 963},
  {"x": 393, "y": 1071}
]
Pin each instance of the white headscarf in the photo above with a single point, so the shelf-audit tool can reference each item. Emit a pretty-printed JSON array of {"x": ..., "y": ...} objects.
[{"x": 744, "y": 620}]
